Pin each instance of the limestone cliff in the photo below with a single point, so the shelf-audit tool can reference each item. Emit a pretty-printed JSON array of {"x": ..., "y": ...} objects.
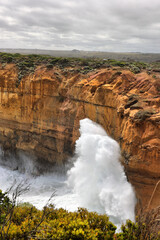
[{"x": 41, "y": 116}]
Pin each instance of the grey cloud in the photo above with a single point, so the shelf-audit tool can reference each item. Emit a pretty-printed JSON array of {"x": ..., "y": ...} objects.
[{"x": 112, "y": 25}]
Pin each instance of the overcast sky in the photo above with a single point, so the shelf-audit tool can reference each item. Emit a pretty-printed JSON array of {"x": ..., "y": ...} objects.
[{"x": 98, "y": 25}]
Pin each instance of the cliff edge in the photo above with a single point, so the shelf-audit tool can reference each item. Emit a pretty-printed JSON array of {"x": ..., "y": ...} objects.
[{"x": 41, "y": 114}]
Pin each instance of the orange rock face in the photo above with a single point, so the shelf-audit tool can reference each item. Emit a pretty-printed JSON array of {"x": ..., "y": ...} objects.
[{"x": 41, "y": 116}]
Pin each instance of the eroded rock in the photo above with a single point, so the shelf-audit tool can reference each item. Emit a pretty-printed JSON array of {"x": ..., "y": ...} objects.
[{"x": 42, "y": 114}]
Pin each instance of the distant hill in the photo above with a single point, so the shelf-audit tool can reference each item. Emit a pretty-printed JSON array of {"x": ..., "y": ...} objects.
[{"x": 144, "y": 57}]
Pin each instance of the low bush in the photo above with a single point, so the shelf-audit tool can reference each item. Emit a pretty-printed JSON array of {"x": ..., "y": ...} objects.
[{"x": 26, "y": 222}]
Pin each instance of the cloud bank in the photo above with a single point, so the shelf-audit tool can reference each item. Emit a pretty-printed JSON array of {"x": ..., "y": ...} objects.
[{"x": 97, "y": 25}]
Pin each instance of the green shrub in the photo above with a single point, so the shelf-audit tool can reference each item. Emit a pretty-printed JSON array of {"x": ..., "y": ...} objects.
[
  {"x": 5, "y": 205},
  {"x": 26, "y": 222}
]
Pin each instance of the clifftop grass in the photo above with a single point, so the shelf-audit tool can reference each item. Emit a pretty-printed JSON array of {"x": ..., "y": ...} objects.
[
  {"x": 27, "y": 64},
  {"x": 33, "y": 60}
]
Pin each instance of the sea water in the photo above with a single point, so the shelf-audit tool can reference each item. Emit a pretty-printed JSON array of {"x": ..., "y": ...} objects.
[{"x": 95, "y": 180}]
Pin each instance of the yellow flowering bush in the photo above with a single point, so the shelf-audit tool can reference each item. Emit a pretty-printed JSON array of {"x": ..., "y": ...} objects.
[{"x": 28, "y": 223}]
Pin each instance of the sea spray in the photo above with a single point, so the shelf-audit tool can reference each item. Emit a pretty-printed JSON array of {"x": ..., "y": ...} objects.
[
  {"x": 95, "y": 181},
  {"x": 97, "y": 176}
]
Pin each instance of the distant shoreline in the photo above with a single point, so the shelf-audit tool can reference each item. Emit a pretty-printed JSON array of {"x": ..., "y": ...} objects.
[{"x": 129, "y": 56}]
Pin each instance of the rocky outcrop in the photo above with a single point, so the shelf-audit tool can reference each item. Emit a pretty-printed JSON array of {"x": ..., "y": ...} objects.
[{"x": 41, "y": 116}]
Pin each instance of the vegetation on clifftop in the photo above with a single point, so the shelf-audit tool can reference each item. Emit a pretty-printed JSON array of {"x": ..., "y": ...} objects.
[
  {"x": 27, "y": 64},
  {"x": 26, "y": 222}
]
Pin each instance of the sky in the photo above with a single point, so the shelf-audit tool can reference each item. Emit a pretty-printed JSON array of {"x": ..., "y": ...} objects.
[{"x": 90, "y": 25}]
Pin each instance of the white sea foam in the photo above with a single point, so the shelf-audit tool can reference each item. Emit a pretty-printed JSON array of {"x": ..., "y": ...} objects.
[
  {"x": 97, "y": 176},
  {"x": 96, "y": 180}
]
